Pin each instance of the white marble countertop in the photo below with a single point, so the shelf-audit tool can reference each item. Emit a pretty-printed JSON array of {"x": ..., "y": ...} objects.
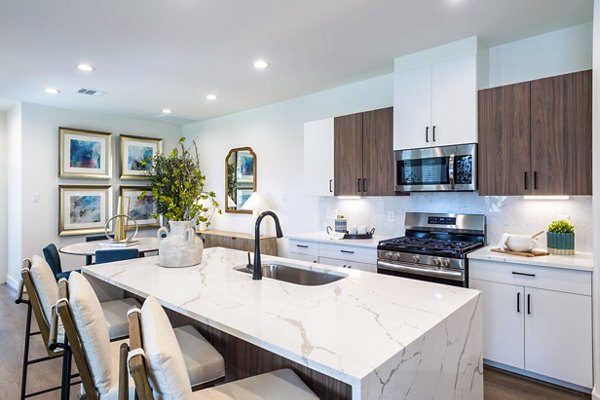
[
  {"x": 322, "y": 237},
  {"x": 578, "y": 261},
  {"x": 356, "y": 330}
]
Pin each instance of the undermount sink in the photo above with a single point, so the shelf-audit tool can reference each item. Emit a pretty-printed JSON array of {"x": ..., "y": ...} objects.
[{"x": 297, "y": 275}]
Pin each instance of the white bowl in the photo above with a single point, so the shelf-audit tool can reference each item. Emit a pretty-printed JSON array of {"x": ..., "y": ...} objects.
[{"x": 521, "y": 243}]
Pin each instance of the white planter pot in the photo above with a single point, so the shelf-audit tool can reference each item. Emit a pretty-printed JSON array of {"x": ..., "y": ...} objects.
[{"x": 180, "y": 247}]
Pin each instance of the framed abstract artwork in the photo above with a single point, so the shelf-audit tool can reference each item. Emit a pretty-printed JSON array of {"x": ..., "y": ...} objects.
[
  {"x": 136, "y": 151},
  {"x": 83, "y": 209},
  {"x": 140, "y": 209},
  {"x": 84, "y": 154},
  {"x": 245, "y": 166}
]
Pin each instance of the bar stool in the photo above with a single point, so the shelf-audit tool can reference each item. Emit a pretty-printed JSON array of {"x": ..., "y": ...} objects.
[
  {"x": 98, "y": 359},
  {"x": 157, "y": 367}
]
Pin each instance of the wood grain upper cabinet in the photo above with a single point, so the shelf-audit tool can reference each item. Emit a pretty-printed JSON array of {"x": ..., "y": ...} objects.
[
  {"x": 364, "y": 156},
  {"x": 535, "y": 138},
  {"x": 504, "y": 150},
  {"x": 561, "y": 134}
]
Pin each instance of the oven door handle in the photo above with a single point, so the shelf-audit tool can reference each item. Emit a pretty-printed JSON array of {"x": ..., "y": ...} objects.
[
  {"x": 451, "y": 169},
  {"x": 408, "y": 269}
]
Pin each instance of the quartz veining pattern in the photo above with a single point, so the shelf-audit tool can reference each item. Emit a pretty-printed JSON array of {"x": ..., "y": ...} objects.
[{"x": 389, "y": 338}]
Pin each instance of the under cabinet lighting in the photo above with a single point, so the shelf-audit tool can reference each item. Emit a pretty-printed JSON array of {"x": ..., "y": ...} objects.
[
  {"x": 546, "y": 197},
  {"x": 348, "y": 197},
  {"x": 52, "y": 90}
]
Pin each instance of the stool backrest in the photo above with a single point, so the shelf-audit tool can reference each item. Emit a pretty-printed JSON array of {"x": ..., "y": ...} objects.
[
  {"x": 136, "y": 358},
  {"x": 66, "y": 316},
  {"x": 34, "y": 300}
]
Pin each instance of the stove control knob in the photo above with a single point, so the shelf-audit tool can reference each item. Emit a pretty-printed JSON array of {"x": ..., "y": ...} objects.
[
  {"x": 416, "y": 258},
  {"x": 436, "y": 262},
  {"x": 445, "y": 262}
]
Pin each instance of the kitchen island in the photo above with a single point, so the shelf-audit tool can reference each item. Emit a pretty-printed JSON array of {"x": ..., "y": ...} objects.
[{"x": 385, "y": 337}]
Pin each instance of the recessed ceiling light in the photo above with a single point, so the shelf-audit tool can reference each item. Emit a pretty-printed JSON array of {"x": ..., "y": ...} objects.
[
  {"x": 85, "y": 67},
  {"x": 52, "y": 90},
  {"x": 167, "y": 111},
  {"x": 211, "y": 96},
  {"x": 260, "y": 64}
]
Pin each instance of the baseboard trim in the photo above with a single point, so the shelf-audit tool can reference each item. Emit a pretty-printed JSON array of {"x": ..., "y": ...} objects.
[
  {"x": 596, "y": 393},
  {"x": 12, "y": 283},
  {"x": 542, "y": 378}
]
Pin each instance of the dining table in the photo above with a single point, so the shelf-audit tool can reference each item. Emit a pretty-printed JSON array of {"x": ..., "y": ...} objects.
[{"x": 88, "y": 249}]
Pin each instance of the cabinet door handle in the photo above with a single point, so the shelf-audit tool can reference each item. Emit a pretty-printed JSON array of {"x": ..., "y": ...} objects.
[
  {"x": 427, "y": 134},
  {"x": 347, "y": 251},
  {"x": 518, "y": 302},
  {"x": 523, "y": 274},
  {"x": 433, "y": 133},
  {"x": 358, "y": 185},
  {"x": 302, "y": 246},
  {"x": 525, "y": 179},
  {"x": 330, "y": 188},
  {"x": 364, "y": 185},
  {"x": 534, "y": 180},
  {"x": 529, "y": 304},
  {"x": 349, "y": 266}
]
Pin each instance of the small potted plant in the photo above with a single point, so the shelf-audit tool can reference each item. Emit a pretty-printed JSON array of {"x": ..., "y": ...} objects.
[
  {"x": 561, "y": 237},
  {"x": 178, "y": 187}
]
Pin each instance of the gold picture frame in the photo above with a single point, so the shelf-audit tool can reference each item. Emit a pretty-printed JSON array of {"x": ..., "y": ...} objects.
[
  {"x": 140, "y": 209},
  {"x": 83, "y": 209},
  {"x": 84, "y": 154},
  {"x": 133, "y": 150}
]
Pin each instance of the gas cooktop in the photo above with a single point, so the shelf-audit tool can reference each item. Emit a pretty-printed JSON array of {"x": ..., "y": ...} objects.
[{"x": 444, "y": 247}]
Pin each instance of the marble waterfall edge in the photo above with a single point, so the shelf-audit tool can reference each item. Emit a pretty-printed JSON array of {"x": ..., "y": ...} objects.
[{"x": 446, "y": 363}]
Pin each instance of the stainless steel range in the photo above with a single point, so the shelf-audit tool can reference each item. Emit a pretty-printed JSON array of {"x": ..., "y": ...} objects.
[{"x": 434, "y": 247}]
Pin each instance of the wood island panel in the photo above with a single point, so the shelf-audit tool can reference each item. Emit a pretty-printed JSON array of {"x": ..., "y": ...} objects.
[{"x": 239, "y": 241}]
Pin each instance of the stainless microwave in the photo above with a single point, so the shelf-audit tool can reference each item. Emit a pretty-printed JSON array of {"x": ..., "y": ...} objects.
[{"x": 445, "y": 168}]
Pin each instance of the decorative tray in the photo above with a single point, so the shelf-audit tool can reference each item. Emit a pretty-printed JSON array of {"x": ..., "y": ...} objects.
[{"x": 368, "y": 235}]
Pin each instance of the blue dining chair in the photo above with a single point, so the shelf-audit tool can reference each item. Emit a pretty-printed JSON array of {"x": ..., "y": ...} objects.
[
  {"x": 88, "y": 259},
  {"x": 110, "y": 255},
  {"x": 53, "y": 259}
]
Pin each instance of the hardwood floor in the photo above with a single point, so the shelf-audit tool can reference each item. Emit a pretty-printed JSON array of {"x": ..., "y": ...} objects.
[{"x": 498, "y": 385}]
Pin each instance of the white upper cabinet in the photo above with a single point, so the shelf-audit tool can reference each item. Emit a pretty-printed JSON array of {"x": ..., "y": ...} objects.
[
  {"x": 318, "y": 157},
  {"x": 435, "y": 96}
]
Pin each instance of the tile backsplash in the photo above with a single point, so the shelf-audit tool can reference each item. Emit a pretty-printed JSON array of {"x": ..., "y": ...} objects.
[{"x": 510, "y": 214}]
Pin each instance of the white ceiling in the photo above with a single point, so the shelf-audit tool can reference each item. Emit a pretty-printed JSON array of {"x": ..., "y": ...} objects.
[{"x": 171, "y": 53}]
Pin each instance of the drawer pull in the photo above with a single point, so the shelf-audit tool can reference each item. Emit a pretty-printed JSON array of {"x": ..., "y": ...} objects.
[
  {"x": 523, "y": 274},
  {"x": 347, "y": 251},
  {"x": 302, "y": 246}
]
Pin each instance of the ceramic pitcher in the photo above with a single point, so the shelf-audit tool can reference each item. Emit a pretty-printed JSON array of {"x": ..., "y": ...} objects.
[{"x": 179, "y": 246}]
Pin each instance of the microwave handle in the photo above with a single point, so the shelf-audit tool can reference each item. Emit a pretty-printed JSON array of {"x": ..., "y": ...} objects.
[{"x": 451, "y": 170}]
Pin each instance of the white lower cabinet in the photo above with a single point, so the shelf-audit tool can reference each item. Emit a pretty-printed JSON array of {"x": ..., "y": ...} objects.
[
  {"x": 337, "y": 255},
  {"x": 348, "y": 264},
  {"x": 534, "y": 322}
]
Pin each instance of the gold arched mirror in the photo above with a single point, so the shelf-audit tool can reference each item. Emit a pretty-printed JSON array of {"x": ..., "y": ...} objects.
[{"x": 240, "y": 178}]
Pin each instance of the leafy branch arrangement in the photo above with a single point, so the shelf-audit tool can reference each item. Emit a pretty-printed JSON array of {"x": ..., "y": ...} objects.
[
  {"x": 561, "y": 226},
  {"x": 178, "y": 185}
]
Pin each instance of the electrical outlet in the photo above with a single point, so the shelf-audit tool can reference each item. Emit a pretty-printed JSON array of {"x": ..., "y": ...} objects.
[
  {"x": 391, "y": 216},
  {"x": 563, "y": 216},
  {"x": 35, "y": 198}
]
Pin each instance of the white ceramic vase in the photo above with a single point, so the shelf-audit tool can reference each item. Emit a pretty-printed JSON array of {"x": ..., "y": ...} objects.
[{"x": 179, "y": 247}]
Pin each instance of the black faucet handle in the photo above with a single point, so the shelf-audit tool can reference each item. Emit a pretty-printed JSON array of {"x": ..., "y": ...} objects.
[{"x": 249, "y": 265}]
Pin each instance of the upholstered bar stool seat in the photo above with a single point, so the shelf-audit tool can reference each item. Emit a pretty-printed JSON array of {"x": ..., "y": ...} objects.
[
  {"x": 280, "y": 384},
  {"x": 115, "y": 313},
  {"x": 203, "y": 362}
]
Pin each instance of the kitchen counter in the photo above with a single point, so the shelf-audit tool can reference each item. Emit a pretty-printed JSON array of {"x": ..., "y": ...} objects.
[
  {"x": 322, "y": 237},
  {"x": 387, "y": 337},
  {"x": 578, "y": 261}
]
